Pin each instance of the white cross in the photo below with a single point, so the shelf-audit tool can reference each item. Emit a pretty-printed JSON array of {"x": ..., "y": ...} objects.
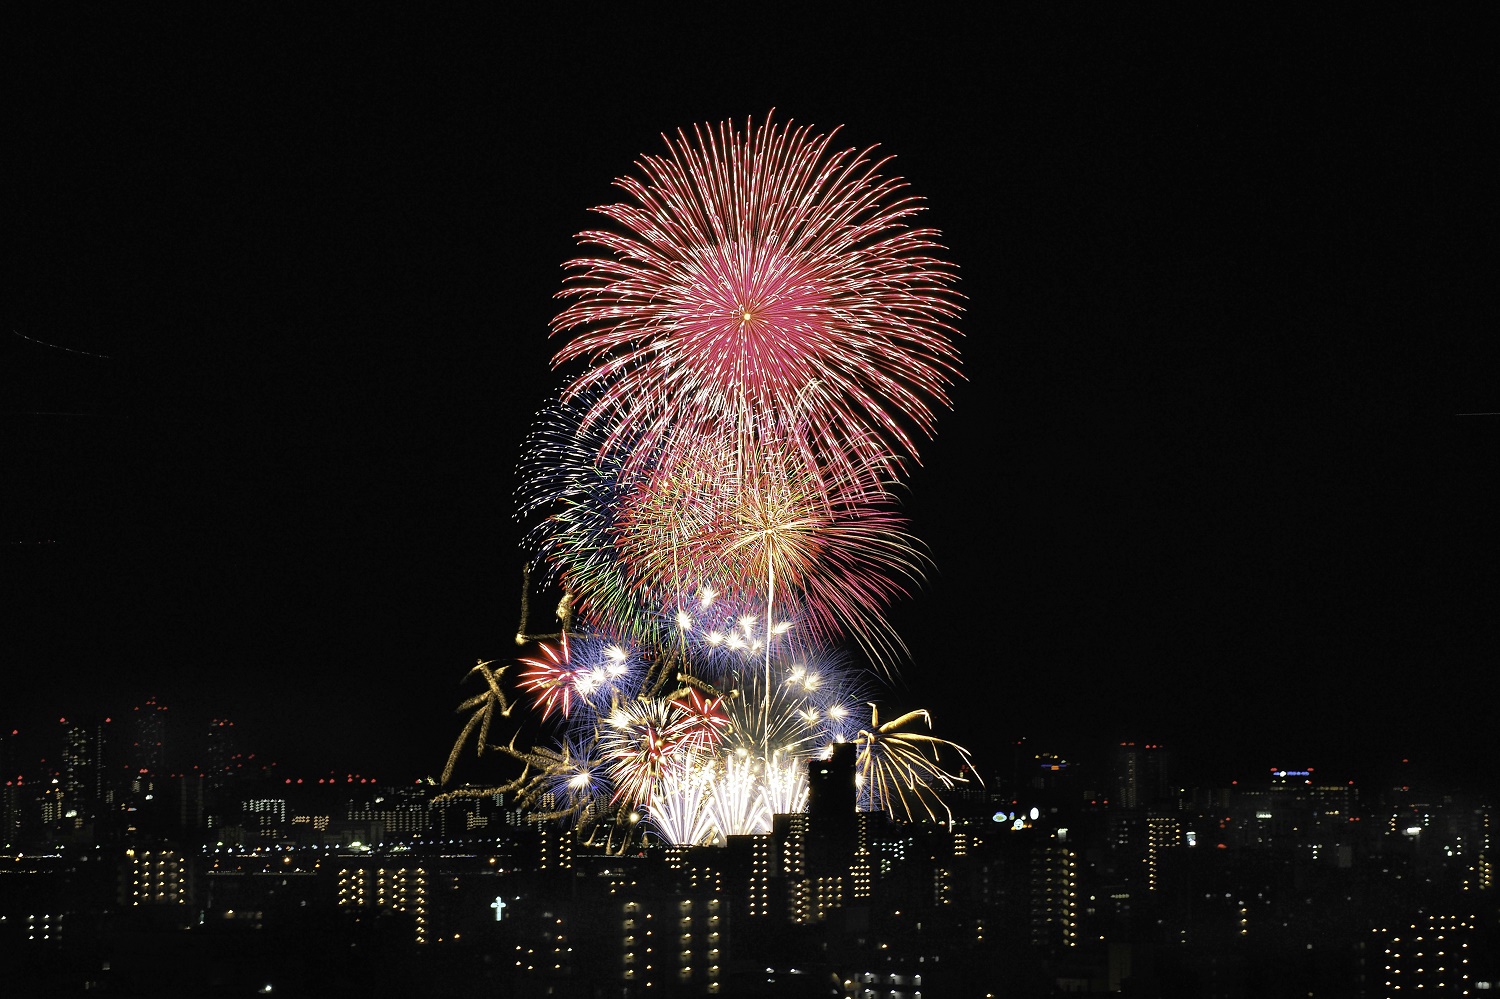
[{"x": 499, "y": 906}]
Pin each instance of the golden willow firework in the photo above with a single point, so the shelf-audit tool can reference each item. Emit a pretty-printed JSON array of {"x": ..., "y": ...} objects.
[{"x": 761, "y": 339}]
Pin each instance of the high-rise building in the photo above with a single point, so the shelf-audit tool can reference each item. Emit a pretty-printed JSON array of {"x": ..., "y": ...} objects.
[
  {"x": 83, "y": 780},
  {"x": 400, "y": 889},
  {"x": 820, "y": 849},
  {"x": 1052, "y": 780},
  {"x": 1297, "y": 810},
  {"x": 1054, "y": 895},
  {"x": 13, "y": 791},
  {"x": 832, "y": 828},
  {"x": 1429, "y": 956},
  {"x": 13, "y": 799},
  {"x": 554, "y": 847},
  {"x": 831, "y": 791},
  {"x": 221, "y": 754},
  {"x": 1481, "y": 873},
  {"x": 751, "y": 861},
  {"x": 862, "y": 868},
  {"x": 265, "y": 813},
  {"x": 1163, "y": 838},
  {"x": 156, "y": 877},
  {"x": 789, "y": 836},
  {"x": 148, "y": 738},
  {"x": 1142, "y": 775},
  {"x": 402, "y": 813},
  {"x": 672, "y": 943},
  {"x": 186, "y": 801}
]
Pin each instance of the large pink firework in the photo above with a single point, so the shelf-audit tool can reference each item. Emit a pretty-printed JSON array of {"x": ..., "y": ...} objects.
[{"x": 762, "y": 280}]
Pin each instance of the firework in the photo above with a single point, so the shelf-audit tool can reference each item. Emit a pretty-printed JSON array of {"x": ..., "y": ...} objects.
[
  {"x": 645, "y": 739},
  {"x": 825, "y": 545},
  {"x": 770, "y": 716},
  {"x": 722, "y": 633},
  {"x": 679, "y": 811},
  {"x": 570, "y": 498},
  {"x": 714, "y": 495},
  {"x": 553, "y": 678},
  {"x": 738, "y": 805},
  {"x": 762, "y": 277},
  {"x": 833, "y": 694},
  {"x": 896, "y": 768},
  {"x": 702, "y": 720},
  {"x": 484, "y": 705},
  {"x": 573, "y": 784},
  {"x": 708, "y": 760}
]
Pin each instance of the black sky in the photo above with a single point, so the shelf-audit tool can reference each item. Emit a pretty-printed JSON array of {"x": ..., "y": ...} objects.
[{"x": 1204, "y": 482}]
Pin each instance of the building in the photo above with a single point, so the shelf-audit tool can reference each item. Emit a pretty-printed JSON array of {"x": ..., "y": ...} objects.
[
  {"x": 672, "y": 943},
  {"x": 157, "y": 877},
  {"x": 1142, "y": 775},
  {"x": 1054, "y": 895},
  {"x": 147, "y": 734},
  {"x": 1431, "y": 954},
  {"x": 1163, "y": 838},
  {"x": 85, "y": 789},
  {"x": 393, "y": 889}
]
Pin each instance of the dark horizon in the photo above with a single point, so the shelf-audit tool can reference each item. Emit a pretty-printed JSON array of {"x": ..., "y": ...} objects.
[{"x": 279, "y": 328}]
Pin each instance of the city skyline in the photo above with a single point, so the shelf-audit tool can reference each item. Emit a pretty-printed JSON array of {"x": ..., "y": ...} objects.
[
  {"x": 244, "y": 881},
  {"x": 188, "y": 744},
  {"x": 281, "y": 332}
]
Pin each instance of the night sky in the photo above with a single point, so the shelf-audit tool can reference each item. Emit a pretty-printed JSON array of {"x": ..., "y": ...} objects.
[{"x": 1204, "y": 482}]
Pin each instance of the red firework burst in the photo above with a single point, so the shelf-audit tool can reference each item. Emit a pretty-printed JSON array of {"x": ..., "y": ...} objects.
[
  {"x": 553, "y": 678},
  {"x": 641, "y": 740},
  {"x": 703, "y": 721},
  {"x": 762, "y": 280}
]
